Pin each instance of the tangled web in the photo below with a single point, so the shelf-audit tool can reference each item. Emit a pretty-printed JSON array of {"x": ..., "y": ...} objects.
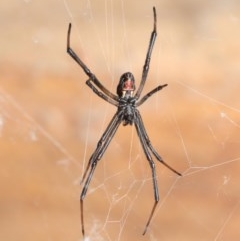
[{"x": 193, "y": 124}]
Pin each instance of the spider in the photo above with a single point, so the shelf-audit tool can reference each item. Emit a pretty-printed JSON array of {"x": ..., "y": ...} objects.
[{"x": 127, "y": 114}]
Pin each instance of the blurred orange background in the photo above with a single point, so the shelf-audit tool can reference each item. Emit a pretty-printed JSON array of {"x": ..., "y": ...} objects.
[{"x": 50, "y": 121}]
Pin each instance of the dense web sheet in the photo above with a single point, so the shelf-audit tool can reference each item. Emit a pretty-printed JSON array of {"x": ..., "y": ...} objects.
[{"x": 50, "y": 121}]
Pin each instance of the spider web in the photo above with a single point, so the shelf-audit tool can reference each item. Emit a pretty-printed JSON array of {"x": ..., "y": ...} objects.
[{"x": 50, "y": 121}]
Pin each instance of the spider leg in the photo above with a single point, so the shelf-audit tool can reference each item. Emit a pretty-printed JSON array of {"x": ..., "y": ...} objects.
[
  {"x": 96, "y": 156},
  {"x": 145, "y": 97},
  {"x": 101, "y": 94},
  {"x": 152, "y": 165},
  {"x": 105, "y": 135},
  {"x": 148, "y": 142},
  {"x": 148, "y": 56},
  {"x": 71, "y": 52},
  {"x": 147, "y": 147}
]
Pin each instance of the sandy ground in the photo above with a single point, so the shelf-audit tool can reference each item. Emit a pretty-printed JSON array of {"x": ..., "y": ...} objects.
[{"x": 50, "y": 121}]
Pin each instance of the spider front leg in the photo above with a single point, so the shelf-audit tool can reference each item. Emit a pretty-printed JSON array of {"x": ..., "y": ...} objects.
[
  {"x": 147, "y": 147},
  {"x": 152, "y": 165},
  {"x": 158, "y": 157},
  {"x": 96, "y": 156}
]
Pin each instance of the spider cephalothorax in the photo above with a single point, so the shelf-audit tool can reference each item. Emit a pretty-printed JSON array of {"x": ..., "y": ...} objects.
[{"x": 127, "y": 113}]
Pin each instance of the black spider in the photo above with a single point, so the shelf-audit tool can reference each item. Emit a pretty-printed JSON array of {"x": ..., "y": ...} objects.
[{"x": 126, "y": 102}]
